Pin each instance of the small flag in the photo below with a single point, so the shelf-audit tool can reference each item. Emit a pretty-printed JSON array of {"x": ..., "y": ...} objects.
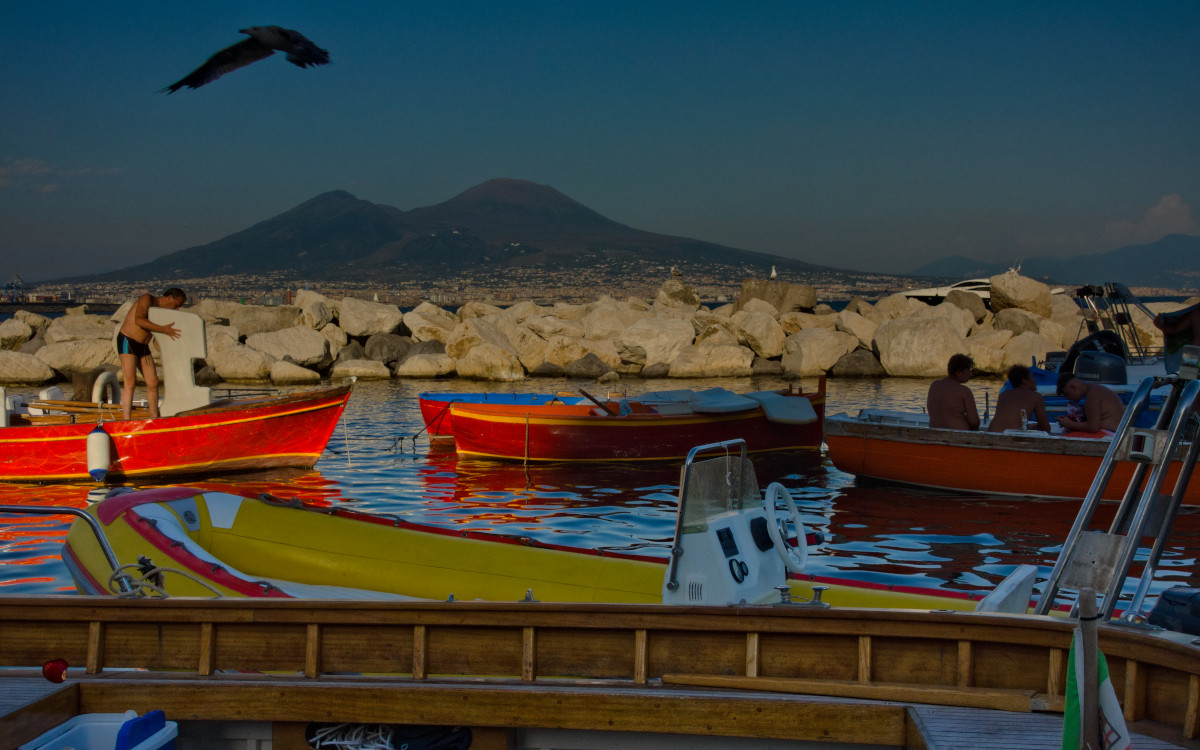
[{"x": 1113, "y": 733}]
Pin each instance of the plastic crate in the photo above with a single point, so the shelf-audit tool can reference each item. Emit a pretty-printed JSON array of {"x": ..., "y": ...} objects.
[{"x": 126, "y": 731}]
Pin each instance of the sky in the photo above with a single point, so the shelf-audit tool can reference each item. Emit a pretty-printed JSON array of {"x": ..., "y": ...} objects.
[{"x": 874, "y": 136}]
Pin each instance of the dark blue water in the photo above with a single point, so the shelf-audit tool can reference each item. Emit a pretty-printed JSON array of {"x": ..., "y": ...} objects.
[{"x": 878, "y": 532}]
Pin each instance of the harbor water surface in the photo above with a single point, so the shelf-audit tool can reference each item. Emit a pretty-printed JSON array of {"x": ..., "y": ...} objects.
[{"x": 379, "y": 460}]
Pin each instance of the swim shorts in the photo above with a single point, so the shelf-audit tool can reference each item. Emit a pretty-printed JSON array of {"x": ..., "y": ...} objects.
[{"x": 126, "y": 345}]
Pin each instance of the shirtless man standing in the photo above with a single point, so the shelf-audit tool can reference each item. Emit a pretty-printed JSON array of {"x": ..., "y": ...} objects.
[
  {"x": 133, "y": 346},
  {"x": 1102, "y": 409},
  {"x": 1021, "y": 397},
  {"x": 950, "y": 403}
]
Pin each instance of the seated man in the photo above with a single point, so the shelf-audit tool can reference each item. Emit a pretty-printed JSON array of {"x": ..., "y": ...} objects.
[
  {"x": 1021, "y": 401},
  {"x": 1102, "y": 409},
  {"x": 950, "y": 403}
]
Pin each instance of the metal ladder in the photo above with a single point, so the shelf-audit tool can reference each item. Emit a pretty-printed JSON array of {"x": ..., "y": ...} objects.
[
  {"x": 1110, "y": 310},
  {"x": 1102, "y": 559}
]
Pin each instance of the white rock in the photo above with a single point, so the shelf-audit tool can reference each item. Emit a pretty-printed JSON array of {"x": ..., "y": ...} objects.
[
  {"x": 547, "y": 326},
  {"x": 241, "y": 363},
  {"x": 475, "y": 332},
  {"x": 302, "y": 344},
  {"x": 856, "y": 325},
  {"x": 895, "y": 306},
  {"x": 708, "y": 361},
  {"x": 567, "y": 311},
  {"x": 523, "y": 310},
  {"x": 23, "y": 369},
  {"x": 81, "y": 355},
  {"x": 13, "y": 333},
  {"x": 79, "y": 328},
  {"x": 798, "y": 321},
  {"x": 1011, "y": 290},
  {"x": 425, "y": 366},
  {"x": 917, "y": 347},
  {"x": 33, "y": 320},
  {"x": 212, "y": 310},
  {"x": 607, "y": 321},
  {"x": 286, "y": 372},
  {"x": 475, "y": 310},
  {"x": 490, "y": 362},
  {"x": 362, "y": 318},
  {"x": 962, "y": 319},
  {"x": 252, "y": 319},
  {"x": 317, "y": 309},
  {"x": 813, "y": 351},
  {"x": 426, "y": 326},
  {"x": 363, "y": 369},
  {"x": 1026, "y": 349},
  {"x": 760, "y": 330},
  {"x": 218, "y": 337},
  {"x": 655, "y": 340}
]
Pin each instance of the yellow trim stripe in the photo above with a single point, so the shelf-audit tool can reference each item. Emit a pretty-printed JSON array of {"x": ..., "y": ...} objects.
[
  {"x": 161, "y": 469},
  {"x": 597, "y": 421},
  {"x": 508, "y": 457}
]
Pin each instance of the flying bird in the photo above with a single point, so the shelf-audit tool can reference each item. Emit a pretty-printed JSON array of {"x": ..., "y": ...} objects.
[{"x": 263, "y": 42}]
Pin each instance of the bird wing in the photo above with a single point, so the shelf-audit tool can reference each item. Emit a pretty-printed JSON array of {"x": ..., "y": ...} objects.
[
  {"x": 231, "y": 58},
  {"x": 303, "y": 52}
]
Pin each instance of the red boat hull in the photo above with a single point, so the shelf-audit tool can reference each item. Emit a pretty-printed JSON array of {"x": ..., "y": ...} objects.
[
  {"x": 576, "y": 433},
  {"x": 283, "y": 431}
]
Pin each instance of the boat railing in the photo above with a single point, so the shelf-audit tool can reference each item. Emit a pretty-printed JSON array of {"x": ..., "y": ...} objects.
[
  {"x": 1110, "y": 308},
  {"x": 1103, "y": 559}
]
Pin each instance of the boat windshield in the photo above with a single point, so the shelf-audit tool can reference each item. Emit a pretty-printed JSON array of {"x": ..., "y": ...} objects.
[{"x": 714, "y": 487}]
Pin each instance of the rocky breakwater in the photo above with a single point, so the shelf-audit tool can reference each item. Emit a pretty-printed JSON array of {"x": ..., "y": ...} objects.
[{"x": 774, "y": 328}]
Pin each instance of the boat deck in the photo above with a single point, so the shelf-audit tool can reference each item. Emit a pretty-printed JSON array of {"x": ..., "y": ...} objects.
[{"x": 29, "y": 705}]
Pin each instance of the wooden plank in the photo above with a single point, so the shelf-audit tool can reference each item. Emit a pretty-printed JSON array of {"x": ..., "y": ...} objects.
[
  {"x": 1191, "y": 722},
  {"x": 1056, "y": 681},
  {"x": 420, "y": 643},
  {"x": 208, "y": 647},
  {"x": 639, "y": 656},
  {"x": 751, "y": 655},
  {"x": 1133, "y": 702},
  {"x": 1002, "y": 699},
  {"x": 528, "y": 655},
  {"x": 95, "y": 647},
  {"x": 864, "y": 658},
  {"x": 966, "y": 665},
  {"x": 519, "y": 705},
  {"x": 312, "y": 651},
  {"x": 31, "y": 706}
]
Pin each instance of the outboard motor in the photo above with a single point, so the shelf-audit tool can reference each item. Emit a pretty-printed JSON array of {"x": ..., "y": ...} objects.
[
  {"x": 1100, "y": 341},
  {"x": 1100, "y": 367}
]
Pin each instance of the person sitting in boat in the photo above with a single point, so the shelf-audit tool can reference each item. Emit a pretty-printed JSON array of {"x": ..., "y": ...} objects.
[
  {"x": 1021, "y": 401},
  {"x": 133, "y": 346},
  {"x": 950, "y": 403},
  {"x": 1102, "y": 409}
]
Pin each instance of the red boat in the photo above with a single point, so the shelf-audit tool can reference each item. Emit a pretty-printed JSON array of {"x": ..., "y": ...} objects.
[
  {"x": 51, "y": 440},
  {"x": 649, "y": 427}
]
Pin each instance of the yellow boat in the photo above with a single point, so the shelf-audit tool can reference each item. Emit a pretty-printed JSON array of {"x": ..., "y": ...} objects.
[{"x": 729, "y": 549}]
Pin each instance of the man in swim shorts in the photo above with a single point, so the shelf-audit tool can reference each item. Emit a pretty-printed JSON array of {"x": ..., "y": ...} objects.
[
  {"x": 133, "y": 346},
  {"x": 1102, "y": 408}
]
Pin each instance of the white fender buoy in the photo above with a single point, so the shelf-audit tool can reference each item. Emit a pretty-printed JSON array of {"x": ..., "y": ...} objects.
[
  {"x": 99, "y": 454},
  {"x": 106, "y": 385}
]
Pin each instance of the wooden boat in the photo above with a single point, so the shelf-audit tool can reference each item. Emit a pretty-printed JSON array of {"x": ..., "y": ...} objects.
[
  {"x": 435, "y": 406},
  {"x": 659, "y": 426},
  {"x": 48, "y": 440},
  {"x": 901, "y": 447}
]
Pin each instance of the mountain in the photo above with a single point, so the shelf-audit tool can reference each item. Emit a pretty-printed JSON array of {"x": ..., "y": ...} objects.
[
  {"x": 1172, "y": 262},
  {"x": 502, "y": 222}
]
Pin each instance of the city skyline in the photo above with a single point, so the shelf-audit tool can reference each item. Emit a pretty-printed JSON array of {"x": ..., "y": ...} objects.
[{"x": 869, "y": 136}]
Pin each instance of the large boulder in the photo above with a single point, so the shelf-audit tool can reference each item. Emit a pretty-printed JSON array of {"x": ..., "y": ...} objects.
[
  {"x": 23, "y": 369},
  {"x": 675, "y": 294},
  {"x": 212, "y": 310},
  {"x": 252, "y": 319},
  {"x": 78, "y": 355},
  {"x": 218, "y": 337},
  {"x": 474, "y": 332},
  {"x": 475, "y": 309},
  {"x": 241, "y": 363},
  {"x": 857, "y": 326},
  {"x": 13, "y": 333},
  {"x": 490, "y": 362},
  {"x": 814, "y": 351},
  {"x": 363, "y": 369},
  {"x": 760, "y": 331},
  {"x": 79, "y": 328},
  {"x": 531, "y": 349},
  {"x": 969, "y": 301},
  {"x": 588, "y": 366},
  {"x": 707, "y": 361},
  {"x": 37, "y": 322},
  {"x": 656, "y": 340},
  {"x": 1016, "y": 320},
  {"x": 1011, "y": 290},
  {"x": 859, "y": 363},
  {"x": 287, "y": 373},
  {"x": 781, "y": 295},
  {"x": 426, "y": 365},
  {"x": 318, "y": 310},
  {"x": 359, "y": 317},
  {"x": 388, "y": 348},
  {"x": 917, "y": 347},
  {"x": 548, "y": 325},
  {"x": 987, "y": 350},
  {"x": 1027, "y": 349},
  {"x": 429, "y": 323},
  {"x": 607, "y": 321},
  {"x": 798, "y": 321},
  {"x": 523, "y": 310},
  {"x": 300, "y": 344},
  {"x": 961, "y": 319}
]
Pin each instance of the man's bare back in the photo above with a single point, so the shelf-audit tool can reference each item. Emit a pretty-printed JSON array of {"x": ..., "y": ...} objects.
[
  {"x": 950, "y": 403},
  {"x": 1102, "y": 408}
]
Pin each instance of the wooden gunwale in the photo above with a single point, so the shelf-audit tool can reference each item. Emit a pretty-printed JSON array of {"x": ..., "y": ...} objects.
[{"x": 519, "y": 654}]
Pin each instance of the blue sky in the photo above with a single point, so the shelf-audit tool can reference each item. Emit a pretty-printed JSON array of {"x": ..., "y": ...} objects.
[{"x": 872, "y": 136}]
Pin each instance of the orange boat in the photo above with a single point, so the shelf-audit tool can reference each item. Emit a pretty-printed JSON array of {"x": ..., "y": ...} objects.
[
  {"x": 47, "y": 439},
  {"x": 899, "y": 447},
  {"x": 661, "y": 426}
]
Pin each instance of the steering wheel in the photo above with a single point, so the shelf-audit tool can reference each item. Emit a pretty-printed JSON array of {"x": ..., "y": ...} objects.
[{"x": 795, "y": 561}]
